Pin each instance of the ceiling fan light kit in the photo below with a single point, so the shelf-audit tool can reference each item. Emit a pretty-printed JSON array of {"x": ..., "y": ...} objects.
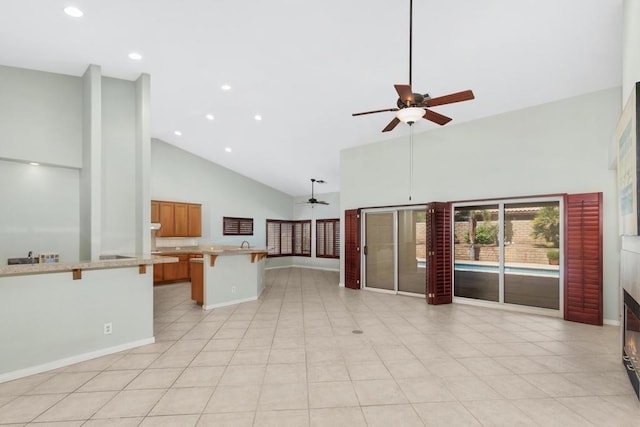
[{"x": 410, "y": 115}]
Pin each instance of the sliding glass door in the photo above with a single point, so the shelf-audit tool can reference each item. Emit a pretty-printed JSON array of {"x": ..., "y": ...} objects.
[
  {"x": 394, "y": 250},
  {"x": 508, "y": 252},
  {"x": 379, "y": 250}
]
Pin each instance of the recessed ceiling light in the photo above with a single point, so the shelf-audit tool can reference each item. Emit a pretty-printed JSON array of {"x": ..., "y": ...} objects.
[
  {"x": 258, "y": 117},
  {"x": 178, "y": 133},
  {"x": 135, "y": 56},
  {"x": 210, "y": 117},
  {"x": 34, "y": 164},
  {"x": 73, "y": 12},
  {"x": 225, "y": 87},
  {"x": 228, "y": 149}
]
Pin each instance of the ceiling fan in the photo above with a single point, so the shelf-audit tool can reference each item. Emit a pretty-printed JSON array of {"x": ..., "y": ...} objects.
[
  {"x": 413, "y": 106},
  {"x": 313, "y": 200}
]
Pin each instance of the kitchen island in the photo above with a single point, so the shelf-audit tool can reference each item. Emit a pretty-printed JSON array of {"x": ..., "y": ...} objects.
[
  {"x": 229, "y": 275},
  {"x": 57, "y": 314}
]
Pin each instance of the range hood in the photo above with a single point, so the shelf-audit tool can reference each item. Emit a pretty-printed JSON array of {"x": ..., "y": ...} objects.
[{"x": 155, "y": 226}]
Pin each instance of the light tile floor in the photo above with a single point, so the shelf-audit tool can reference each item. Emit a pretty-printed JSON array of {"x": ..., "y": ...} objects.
[{"x": 291, "y": 359}]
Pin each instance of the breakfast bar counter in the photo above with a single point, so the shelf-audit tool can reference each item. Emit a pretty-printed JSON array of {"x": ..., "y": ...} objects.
[
  {"x": 56, "y": 314},
  {"x": 231, "y": 275}
]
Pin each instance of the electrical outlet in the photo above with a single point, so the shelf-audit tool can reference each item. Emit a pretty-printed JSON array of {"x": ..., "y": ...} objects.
[
  {"x": 233, "y": 289},
  {"x": 108, "y": 328}
]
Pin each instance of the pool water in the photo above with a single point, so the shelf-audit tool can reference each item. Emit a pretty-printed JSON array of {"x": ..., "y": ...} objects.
[{"x": 508, "y": 270}]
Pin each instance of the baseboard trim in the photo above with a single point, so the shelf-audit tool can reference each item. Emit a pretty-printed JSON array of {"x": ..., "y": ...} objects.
[
  {"x": 302, "y": 266},
  {"x": 232, "y": 302},
  {"x": 60, "y": 363},
  {"x": 611, "y": 322}
]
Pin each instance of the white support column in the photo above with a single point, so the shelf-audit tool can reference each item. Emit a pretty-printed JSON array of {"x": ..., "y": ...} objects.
[
  {"x": 143, "y": 164},
  {"x": 91, "y": 172}
]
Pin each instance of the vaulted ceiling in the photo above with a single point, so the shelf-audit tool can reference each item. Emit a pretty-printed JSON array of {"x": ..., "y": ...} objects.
[{"x": 306, "y": 66}]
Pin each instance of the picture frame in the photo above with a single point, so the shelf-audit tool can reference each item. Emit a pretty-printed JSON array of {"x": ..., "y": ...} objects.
[{"x": 628, "y": 161}]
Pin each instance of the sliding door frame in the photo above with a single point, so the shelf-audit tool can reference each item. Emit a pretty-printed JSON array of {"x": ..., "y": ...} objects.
[{"x": 363, "y": 259}]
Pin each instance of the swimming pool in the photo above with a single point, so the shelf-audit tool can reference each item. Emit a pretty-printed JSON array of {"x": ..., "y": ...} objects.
[{"x": 527, "y": 271}]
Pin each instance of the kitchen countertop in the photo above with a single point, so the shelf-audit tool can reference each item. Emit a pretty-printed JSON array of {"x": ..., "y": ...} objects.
[
  {"x": 54, "y": 267},
  {"x": 209, "y": 249}
]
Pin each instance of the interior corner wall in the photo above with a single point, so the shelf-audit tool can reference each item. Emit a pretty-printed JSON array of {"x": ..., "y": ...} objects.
[
  {"x": 177, "y": 175},
  {"x": 305, "y": 211},
  {"x": 560, "y": 147}
]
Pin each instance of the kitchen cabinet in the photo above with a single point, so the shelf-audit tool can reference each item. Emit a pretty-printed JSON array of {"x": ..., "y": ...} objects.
[
  {"x": 174, "y": 272},
  {"x": 158, "y": 273},
  {"x": 195, "y": 220},
  {"x": 155, "y": 211},
  {"x": 181, "y": 219},
  {"x": 167, "y": 219},
  {"x": 197, "y": 285},
  {"x": 170, "y": 272},
  {"x": 177, "y": 219}
]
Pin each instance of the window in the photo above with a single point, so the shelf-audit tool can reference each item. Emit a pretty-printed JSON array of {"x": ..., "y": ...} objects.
[
  {"x": 328, "y": 238},
  {"x": 288, "y": 238},
  {"x": 237, "y": 226}
]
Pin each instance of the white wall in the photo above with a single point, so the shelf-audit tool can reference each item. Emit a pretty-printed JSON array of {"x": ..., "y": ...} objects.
[
  {"x": 304, "y": 211},
  {"x": 177, "y": 175},
  {"x": 40, "y": 117},
  {"x": 51, "y": 320},
  {"x": 561, "y": 147},
  {"x": 39, "y": 211}
]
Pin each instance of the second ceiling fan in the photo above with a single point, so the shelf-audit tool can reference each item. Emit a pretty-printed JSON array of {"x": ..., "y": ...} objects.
[{"x": 411, "y": 106}]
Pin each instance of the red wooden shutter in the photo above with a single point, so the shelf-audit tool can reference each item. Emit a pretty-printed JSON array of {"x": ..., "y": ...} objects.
[
  {"x": 583, "y": 258},
  {"x": 439, "y": 274},
  {"x": 352, "y": 248}
]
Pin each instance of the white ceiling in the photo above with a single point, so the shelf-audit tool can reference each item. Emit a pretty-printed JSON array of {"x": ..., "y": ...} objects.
[{"x": 305, "y": 66}]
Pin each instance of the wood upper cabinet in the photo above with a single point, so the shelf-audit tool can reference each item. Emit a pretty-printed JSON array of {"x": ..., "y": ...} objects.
[
  {"x": 167, "y": 220},
  {"x": 195, "y": 221},
  {"x": 155, "y": 211},
  {"x": 181, "y": 219},
  {"x": 177, "y": 219}
]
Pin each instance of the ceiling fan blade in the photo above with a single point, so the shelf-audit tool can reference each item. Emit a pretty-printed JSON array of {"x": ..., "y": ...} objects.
[
  {"x": 436, "y": 117},
  {"x": 405, "y": 93},
  {"x": 465, "y": 95},
  {"x": 375, "y": 111},
  {"x": 392, "y": 124}
]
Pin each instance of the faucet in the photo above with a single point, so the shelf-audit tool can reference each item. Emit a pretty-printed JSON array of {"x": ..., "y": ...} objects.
[
  {"x": 30, "y": 257},
  {"x": 242, "y": 244}
]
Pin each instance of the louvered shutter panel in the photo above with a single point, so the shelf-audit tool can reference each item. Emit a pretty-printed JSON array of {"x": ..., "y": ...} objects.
[
  {"x": 320, "y": 241},
  {"x": 336, "y": 240},
  {"x": 583, "y": 258},
  {"x": 273, "y": 237},
  {"x": 306, "y": 238},
  {"x": 352, "y": 248},
  {"x": 438, "y": 262}
]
